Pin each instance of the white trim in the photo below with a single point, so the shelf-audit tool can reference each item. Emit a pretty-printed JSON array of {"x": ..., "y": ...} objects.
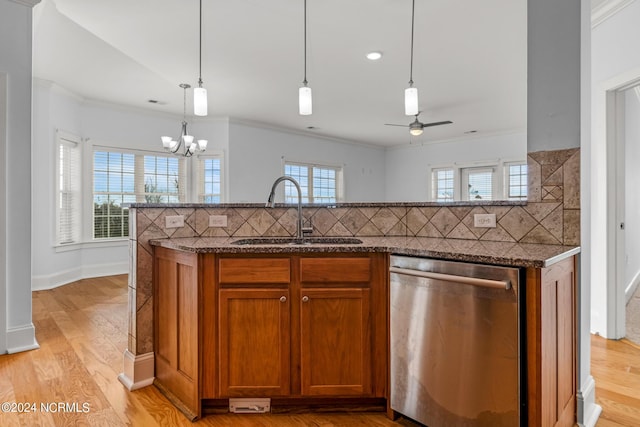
[
  {"x": 96, "y": 244},
  {"x": 632, "y": 286},
  {"x": 22, "y": 338},
  {"x": 50, "y": 281},
  {"x": 138, "y": 370},
  {"x": 606, "y": 10},
  {"x": 587, "y": 410},
  {"x": 3, "y": 210}
]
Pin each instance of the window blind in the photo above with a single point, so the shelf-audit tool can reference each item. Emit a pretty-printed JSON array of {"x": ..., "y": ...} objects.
[{"x": 69, "y": 192}]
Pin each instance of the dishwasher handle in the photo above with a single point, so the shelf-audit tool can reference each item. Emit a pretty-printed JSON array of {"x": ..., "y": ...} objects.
[{"x": 474, "y": 281}]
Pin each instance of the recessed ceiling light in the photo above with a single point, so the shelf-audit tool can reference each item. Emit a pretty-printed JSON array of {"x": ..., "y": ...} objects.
[{"x": 374, "y": 56}]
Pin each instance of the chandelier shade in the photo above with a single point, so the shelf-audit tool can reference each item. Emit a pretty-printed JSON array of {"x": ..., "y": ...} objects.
[{"x": 184, "y": 140}]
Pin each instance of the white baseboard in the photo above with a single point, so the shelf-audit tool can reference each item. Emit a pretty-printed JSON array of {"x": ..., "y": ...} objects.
[
  {"x": 588, "y": 410},
  {"x": 138, "y": 370},
  {"x": 631, "y": 287},
  {"x": 50, "y": 281},
  {"x": 22, "y": 338}
]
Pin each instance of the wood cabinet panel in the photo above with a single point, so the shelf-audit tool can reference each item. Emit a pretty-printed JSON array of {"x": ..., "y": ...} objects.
[
  {"x": 551, "y": 344},
  {"x": 176, "y": 323},
  {"x": 254, "y": 342},
  {"x": 254, "y": 270},
  {"x": 335, "y": 269},
  {"x": 335, "y": 342}
]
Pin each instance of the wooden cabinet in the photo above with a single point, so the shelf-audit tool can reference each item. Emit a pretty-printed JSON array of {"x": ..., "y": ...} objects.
[
  {"x": 176, "y": 337},
  {"x": 301, "y": 326},
  {"x": 551, "y": 344}
]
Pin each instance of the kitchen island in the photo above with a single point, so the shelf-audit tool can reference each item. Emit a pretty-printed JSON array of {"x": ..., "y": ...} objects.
[{"x": 260, "y": 320}]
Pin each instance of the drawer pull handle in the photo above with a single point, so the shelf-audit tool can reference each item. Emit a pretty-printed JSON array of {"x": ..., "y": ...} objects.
[
  {"x": 283, "y": 299},
  {"x": 305, "y": 299}
]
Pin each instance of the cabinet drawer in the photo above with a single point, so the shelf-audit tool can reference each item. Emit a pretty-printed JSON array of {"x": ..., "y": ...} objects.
[
  {"x": 255, "y": 270},
  {"x": 339, "y": 270}
]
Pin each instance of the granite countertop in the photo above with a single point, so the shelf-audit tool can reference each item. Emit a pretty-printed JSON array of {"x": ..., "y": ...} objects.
[{"x": 484, "y": 252}]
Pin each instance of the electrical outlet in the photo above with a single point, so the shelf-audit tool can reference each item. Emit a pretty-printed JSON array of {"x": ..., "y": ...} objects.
[
  {"x": 175, "y": 221},
  {"x": 217, "y": 220},
  {"x": 484, "y": 220}
]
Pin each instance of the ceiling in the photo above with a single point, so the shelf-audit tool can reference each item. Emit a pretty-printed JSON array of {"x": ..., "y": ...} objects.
[{"x": 469, "y": 61}]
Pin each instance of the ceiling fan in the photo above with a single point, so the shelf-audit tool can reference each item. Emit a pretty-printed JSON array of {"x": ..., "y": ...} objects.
[{"x": 416, "y": 127}]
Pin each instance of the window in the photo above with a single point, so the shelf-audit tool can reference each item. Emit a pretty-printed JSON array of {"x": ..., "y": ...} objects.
[
  {"x": 319, "y": 184},
  {"x": 443, "y": 185},
  {"x": 477, "y": 184},
  {"x": 129, "y": 177},
  {"x": 69, "y": 189},
  {"x": 516, "y": 180},
  {"x": 490, "y": 181},
  {"x": 210, "y": 179}
]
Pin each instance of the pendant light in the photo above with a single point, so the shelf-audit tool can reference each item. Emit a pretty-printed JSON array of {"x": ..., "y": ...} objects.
[
  {"x": 186, "y": 140},
  {"x": 305, "y": 104},
  {"x": 411, "y": 93},
  {"x": 200, "y": 93}
]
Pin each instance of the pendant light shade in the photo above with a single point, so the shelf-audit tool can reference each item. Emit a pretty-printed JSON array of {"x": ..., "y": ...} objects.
[
  {"x": 305, "y": 101},
  {"x": 411, "y": 101},
  {"x": 411, "y": 93},
  {"x": 200, "y": 101},
  {"x": 200, "y": 93}
]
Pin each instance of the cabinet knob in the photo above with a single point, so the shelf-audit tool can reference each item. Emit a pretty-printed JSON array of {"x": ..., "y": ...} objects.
[
  {"x": 283, "y": 299},
  {"x": 305, "y": 299}
]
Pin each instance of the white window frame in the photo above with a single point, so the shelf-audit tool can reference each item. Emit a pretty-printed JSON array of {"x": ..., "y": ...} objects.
[
  {"x": 139, "y": 184},
  {"x": 198, "y": 176},
  {"x": 500, "y": 180},
  {"x": 435, "y": 188},
  {"x": 464, "y": 183},
  {"x": 339, "y": 169},
  {"x": 507, "y": 179},
  {"x": 68, "y": 182}
]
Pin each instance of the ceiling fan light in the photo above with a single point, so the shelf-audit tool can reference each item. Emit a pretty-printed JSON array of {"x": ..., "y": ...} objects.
[
  {"x": 200, "y": 101},
  {"x": 415, "y": 131},
  {"x": 411, "y": 101},
  {"x": 305, "y": 101}
]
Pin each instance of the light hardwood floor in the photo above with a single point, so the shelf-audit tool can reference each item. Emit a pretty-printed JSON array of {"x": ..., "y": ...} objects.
[{"x": 82, "y": 331}]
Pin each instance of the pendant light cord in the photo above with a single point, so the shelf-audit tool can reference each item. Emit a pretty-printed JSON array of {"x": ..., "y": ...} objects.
[
  {"x": 200, "y": 53},
  {"x": 305, "y": 43},
  {"x": 413, "y": 13}
]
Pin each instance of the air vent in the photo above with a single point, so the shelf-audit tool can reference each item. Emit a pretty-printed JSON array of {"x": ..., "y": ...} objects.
[{"x": 250, "y": 406}]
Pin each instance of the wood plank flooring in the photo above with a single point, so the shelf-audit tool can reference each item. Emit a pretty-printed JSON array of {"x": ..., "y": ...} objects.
[{"x": 82, "y": 332}]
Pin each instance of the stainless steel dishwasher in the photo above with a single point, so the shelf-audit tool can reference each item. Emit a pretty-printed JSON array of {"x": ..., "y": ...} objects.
[{"x": 455, "y": 343}]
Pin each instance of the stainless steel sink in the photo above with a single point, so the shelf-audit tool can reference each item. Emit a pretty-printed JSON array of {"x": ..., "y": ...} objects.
[{"x": 295, "y": 241}]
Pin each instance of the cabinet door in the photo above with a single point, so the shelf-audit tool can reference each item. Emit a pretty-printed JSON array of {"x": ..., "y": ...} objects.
[
  {"x": 254, "y": 342},
  {"x": 335, "y": 342}
]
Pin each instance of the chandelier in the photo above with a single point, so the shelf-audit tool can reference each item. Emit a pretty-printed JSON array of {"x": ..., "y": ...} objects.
[{"x": 184, "y": 140}]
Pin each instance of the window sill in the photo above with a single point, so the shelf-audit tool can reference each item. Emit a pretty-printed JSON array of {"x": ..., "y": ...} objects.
[{"x": 92, "y": 245}]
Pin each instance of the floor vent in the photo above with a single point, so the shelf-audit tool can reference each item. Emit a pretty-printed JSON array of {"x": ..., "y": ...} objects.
[{"x": 249, "y": 406}]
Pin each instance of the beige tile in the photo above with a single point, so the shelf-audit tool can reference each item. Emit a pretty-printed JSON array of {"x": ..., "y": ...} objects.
[
  {"x": 517, "y": 223},
  {"x": 554, "y": 223},
  {"x": 261, "y": 221},
  {"x": 415, "y": 220},
  {"x": 551, "y": 174},
  {"x": 429, "y": 230},
  {"x": 461, "y": 231},
  {"x": 430, "y": 211},
  {"x": 234, "y": 222},
  {"x": 500, "y": 211},
  {"x": 246, "y": 230},
  {"x": 572, "y": 227},
  {"x": 323, "y": 221},
  {"x": 277, "y": 230},
  {"x": 400, "y": 229},
  {"x": 368, "y": 212},
  {"x": 468, "y": 221},
  {"x": 143, "y": 222},
  {"x": 539, "y": 211},
  {"x": 444, "y": 221},
  {"x": 353, "y": 220},
  {"x": 534, "y": 188},
  {"x": 497, "y": 234},
  {"x": 245, "y": 213},
  {"x": 144, "y": 327},
  {"x": 572, "y": 182},
  {"x": 385, "y": 220},
  {"x": 369, "y": 230},
  {"x": 338, "y": 230},
  {"x": 460, "y": 211},
  {"x": 153, "y": 213},
  {"x": 539, "y": 234}
]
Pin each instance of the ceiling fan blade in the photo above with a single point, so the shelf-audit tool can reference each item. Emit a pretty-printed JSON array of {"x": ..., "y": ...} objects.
[
  {"x": 426, "y": 125},
  {"x": 392, "y": 124}
]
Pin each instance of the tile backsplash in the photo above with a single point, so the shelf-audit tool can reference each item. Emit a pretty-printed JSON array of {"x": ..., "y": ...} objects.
[{"x": 551, "y": 215}]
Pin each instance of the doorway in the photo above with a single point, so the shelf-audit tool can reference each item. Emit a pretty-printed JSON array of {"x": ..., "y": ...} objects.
[{"x": 623, "y": 152}]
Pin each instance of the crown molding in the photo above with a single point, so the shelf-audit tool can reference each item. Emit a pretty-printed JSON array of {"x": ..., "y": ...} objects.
[
  {"x": 606, "y": 10},
  {"x": 29, "y": 3}
]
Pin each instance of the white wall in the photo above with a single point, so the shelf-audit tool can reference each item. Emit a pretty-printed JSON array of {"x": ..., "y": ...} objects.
[
  {"x": 615, "y": 61},
  {"x": 255, "y": 161},
  {"x": 632, "y": 184},
  {"x": 407, "y": 168},
  {"x": 17, "y": 331}
]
